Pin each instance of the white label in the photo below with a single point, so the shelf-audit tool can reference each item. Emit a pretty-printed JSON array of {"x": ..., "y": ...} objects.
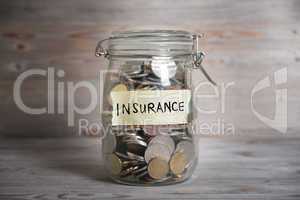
[{"x": 151, "y": 107}]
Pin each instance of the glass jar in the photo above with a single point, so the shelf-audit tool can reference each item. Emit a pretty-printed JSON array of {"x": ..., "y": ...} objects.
[{"x": 147, "y": 109}]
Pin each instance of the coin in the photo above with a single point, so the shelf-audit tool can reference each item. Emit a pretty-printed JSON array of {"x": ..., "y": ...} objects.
[
  {"x": 133, "y": 143},
  {"x": 130, "y": 158},
  {"x": 186, "y": 147},
  {"x": 135, "y": 148},
  {"x": 135, "y": 157},
  {"x": 115, "y": 164},
  {"x": 150, "y": 130},
  {"x": 134, "y": 139},
  {"x": 145, "y": 86},
  {"x": 165, "y": 129},
  {"x": 158, "y": 168},
  {"x": 157, "y": 150},
  {"x": 178, "y": 163},
  {"x": 153, "y": 79},
  {"x": 117, "y": 88},
  {"x": 141, "y": 171},
  {"x": 122, "y": 156},
  {"x": 147, "y": 179},
  {"x": 180, "y": 135},
  {"x": 134, "y": 78},
  {"x": 164, "y": 140},
  {"x": 124, "y": 167},
  {"x": 130, "y": 170},
  {"x": 131, "y": 68}
]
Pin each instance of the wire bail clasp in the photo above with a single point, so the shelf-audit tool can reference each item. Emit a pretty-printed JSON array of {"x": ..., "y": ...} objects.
[
  {"x": 100, "y": 50},
  {"x": 198, "y": 57}
]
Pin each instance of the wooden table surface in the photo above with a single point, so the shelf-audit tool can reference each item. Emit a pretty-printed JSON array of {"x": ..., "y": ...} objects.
[{"x": 228, "y": 168}]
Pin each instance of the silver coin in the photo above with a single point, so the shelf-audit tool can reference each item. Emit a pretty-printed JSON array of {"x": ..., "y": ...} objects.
[
  {"x": 141, "y": 171},
  {"x": 133, "y": 169},
  {"x": 187, "y": 147},
  {"x": 133, "y": 149},
  {"x": 134, "y": 144},
  {"x": 128, "y": 171},
  {"x": 122, "y": 155},
  {"x": 149, "y": 87},
  {"x": 180, "y": 134},
  {"x": 135, "y": 159},
  {"x": 133, "y": 77},
  {"x": 153, "y": 79},
  {"x": 164, "y": 140},
  {"x": 142, "y": 174},
  {"x": 136, "y": 139},
  {"x": 150, "y": 130},
  {"x": 133, "y": 156},
  {"x": 132, "y": 67},
  {"x": 157, "y": 151}
]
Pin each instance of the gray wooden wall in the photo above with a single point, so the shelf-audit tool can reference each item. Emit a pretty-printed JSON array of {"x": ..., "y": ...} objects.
[{"x": 244, "y": 41}]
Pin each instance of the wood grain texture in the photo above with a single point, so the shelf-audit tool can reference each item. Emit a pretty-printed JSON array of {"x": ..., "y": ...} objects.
[
  {"x": 244, "y": 41},
  {"x": 228, "y": 168}
]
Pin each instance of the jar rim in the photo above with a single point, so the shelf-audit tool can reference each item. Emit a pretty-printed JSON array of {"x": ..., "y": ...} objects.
[
  {"x": 149, "y": 43},
  {"x": 152, "y": 33}
]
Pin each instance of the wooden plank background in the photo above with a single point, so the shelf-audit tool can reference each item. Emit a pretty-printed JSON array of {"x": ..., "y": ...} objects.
[
  {"x": 244, "y": 41},
  {"x": 228, "y": 168}
]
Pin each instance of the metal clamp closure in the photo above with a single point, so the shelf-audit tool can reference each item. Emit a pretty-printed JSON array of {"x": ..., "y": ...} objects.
[
  {"x": 100, "y": 50},
  {"x": 197, "y": 56}
]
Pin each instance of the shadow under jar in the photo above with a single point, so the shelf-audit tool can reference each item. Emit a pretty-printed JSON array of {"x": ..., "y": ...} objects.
[{"x": 147, "y": 106}]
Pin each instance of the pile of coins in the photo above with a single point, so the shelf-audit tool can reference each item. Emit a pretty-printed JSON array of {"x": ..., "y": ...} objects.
[
  {"x": 149, "y": 153},
  {"x": 135, "y": 156},
  {"x": 137, "y": 75}
]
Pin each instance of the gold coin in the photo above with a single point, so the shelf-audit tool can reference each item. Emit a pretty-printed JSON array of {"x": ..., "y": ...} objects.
[
  {"x": 117, "y": 88},
  {"x": 178, "y": 163},
  {"x": 158, "y": 168},
  {"x": 115, "y": 164}
]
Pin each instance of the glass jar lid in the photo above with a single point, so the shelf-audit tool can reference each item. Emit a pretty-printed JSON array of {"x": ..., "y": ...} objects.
[{"x": 149, "y": 43}]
